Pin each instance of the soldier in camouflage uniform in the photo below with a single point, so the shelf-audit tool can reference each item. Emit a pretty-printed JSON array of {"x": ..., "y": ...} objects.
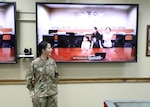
[{"x": 42, "y": 78}]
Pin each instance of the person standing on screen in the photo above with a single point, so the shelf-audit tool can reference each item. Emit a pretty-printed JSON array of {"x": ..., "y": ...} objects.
[
  {"x": 96, "y": 39},
  {"x": 42, "y": 78},
  {"x": 107, "y": 36},
  {"x": 85, "y": 45}
]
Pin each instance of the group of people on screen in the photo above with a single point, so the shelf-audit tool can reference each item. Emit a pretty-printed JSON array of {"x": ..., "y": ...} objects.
[{"x": 98, "y": 39}]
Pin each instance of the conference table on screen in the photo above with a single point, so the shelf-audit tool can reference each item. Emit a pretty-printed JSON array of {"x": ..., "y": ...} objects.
[
  {"x": 79, "y": 55},
  {"x": 7, "y": 54}
]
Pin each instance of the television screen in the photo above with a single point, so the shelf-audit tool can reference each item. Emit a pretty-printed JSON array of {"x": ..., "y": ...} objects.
[
  {"x": 8, "y": 32},
  {"x": 80, "y": 32}
]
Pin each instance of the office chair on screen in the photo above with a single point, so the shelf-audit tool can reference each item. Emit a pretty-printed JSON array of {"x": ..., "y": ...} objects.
[
  {"x": 130, "y": 41},
  {"x": 1, "y": 40},
  {"x": 120, "y": 40},
  {"x": 6, "y": 40}
]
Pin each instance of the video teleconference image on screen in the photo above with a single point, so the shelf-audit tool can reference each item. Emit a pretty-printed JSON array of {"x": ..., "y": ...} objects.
[
  {"x": 8, "y": 32},
  {"x": 80, "y": 32}
]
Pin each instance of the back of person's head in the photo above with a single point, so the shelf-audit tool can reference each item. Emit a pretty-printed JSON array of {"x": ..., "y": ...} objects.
[
  {"x": 95, "y": 28},
  {"x": 42, "y": 45}
]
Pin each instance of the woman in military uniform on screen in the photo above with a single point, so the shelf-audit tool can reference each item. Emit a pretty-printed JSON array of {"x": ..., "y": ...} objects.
[{"x": 96, "y": 39}]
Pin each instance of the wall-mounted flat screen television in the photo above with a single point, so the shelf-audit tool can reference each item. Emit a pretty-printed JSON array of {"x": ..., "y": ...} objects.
[
  {"x": 8, "y": 32},
  {"x": 81, "y": 32}
]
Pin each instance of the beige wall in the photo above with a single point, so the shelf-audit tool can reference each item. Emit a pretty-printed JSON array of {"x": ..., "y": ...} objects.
[{"x": 77, "y": 95}]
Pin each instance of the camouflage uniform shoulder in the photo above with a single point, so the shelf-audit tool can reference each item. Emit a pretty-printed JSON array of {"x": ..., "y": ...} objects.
[
  {"x": 51, "y": 60},
  {"x": 35, "y": 61}
]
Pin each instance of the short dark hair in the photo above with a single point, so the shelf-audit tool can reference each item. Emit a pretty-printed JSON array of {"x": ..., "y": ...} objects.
[
  {"x": 42, "y": 45},
  {"x": 95, "y": 28},
  {"x": 87, "y": 38},
  {"x": 108, "y": 28}
]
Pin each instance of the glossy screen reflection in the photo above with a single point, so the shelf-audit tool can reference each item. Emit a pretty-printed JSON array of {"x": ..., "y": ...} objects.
[{"x": 65, "y": 25}]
